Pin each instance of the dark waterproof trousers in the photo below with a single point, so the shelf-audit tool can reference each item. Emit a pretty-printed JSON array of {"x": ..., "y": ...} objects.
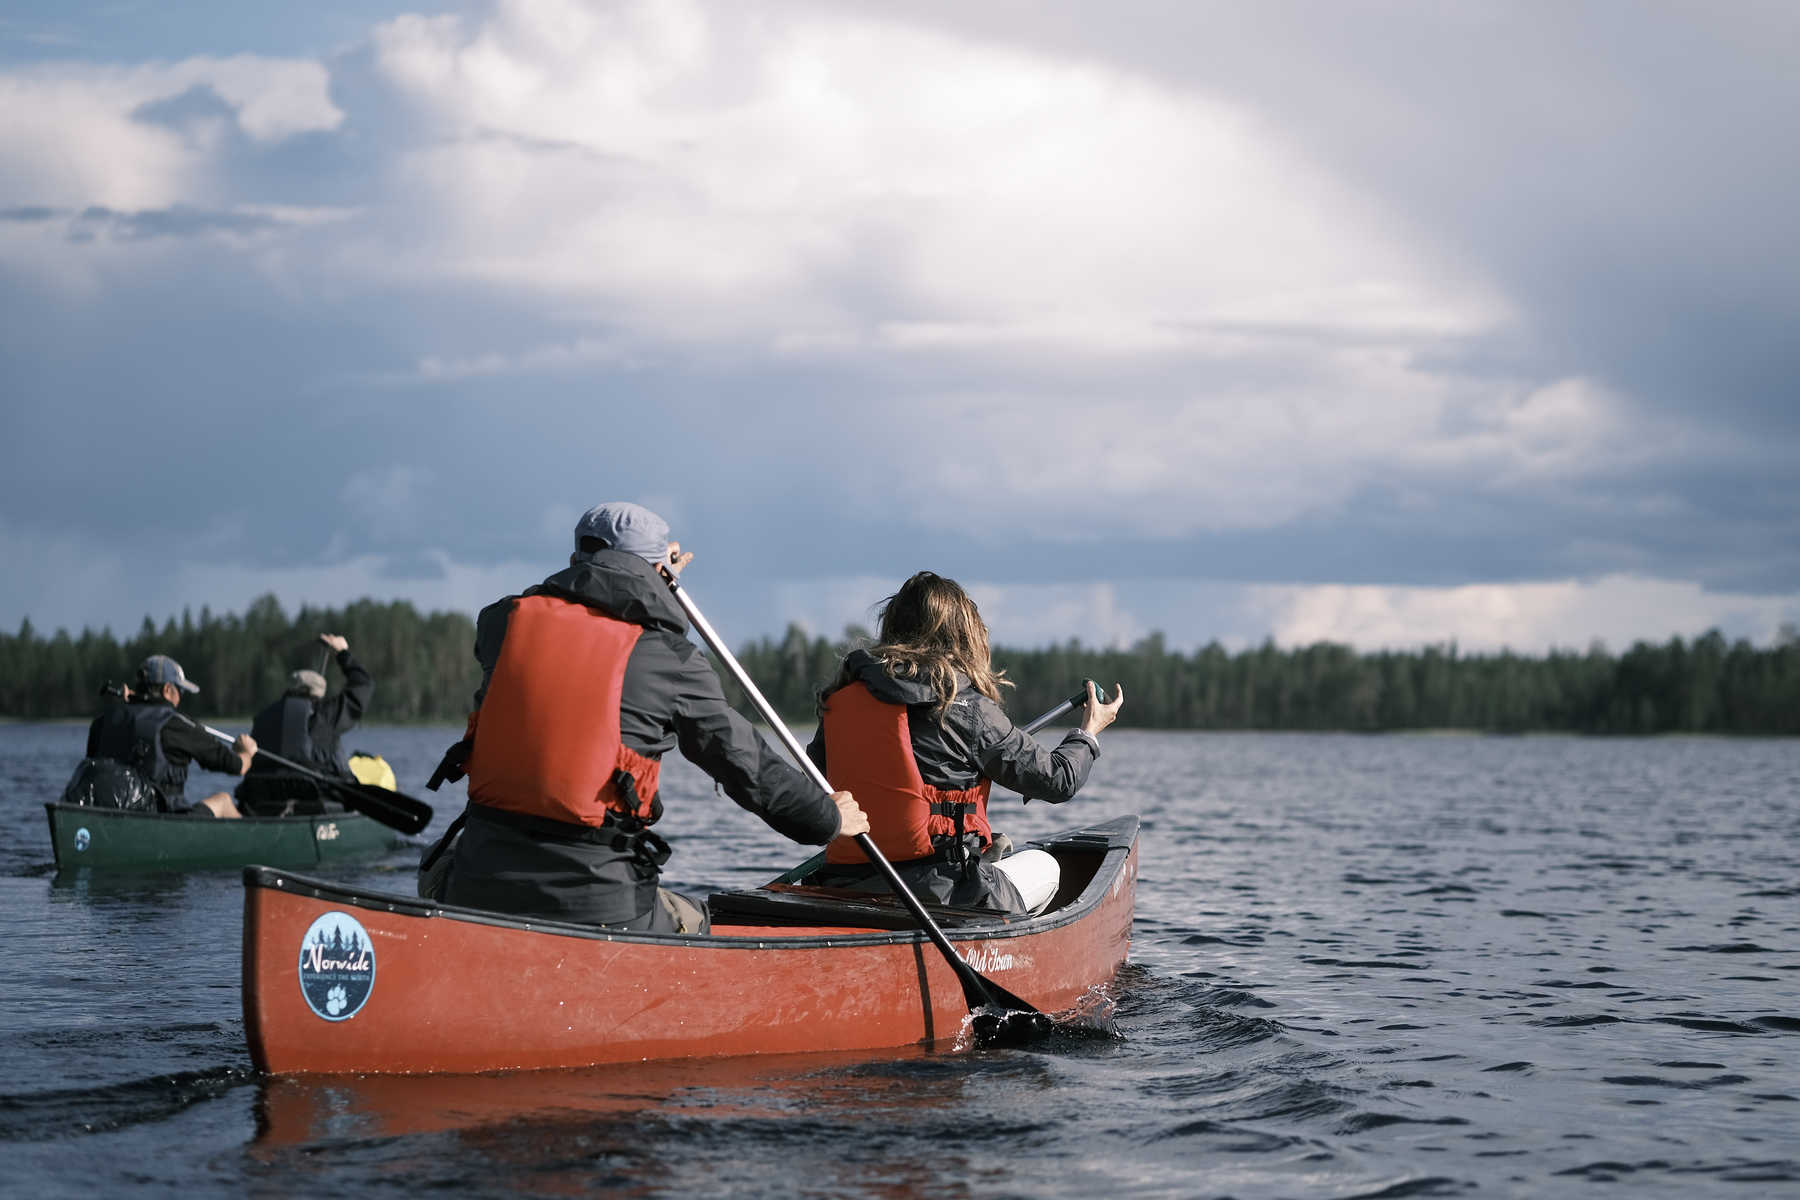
[{"x": 530, "y": 867}]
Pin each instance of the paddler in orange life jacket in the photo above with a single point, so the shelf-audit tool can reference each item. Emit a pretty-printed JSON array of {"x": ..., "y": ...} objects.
[
  {"x": 588, "y": 679},
  {"x": 913, "y": 726}
]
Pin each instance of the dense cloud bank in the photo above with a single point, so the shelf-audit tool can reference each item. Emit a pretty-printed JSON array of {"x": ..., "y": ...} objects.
[{"x": 1482, "y": 298}]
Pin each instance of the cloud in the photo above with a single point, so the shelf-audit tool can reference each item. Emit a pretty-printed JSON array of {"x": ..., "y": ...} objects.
[
  {"x": 1046, "y": 298},
  {"x": 582, "y": 353},
  {"x": 72, "y": 582},
  {"x": 76, "y": 583},
  {"x": 1526, "y": 618},
  {"x": 1529, "y": 618},
  {"x": 1619, "y": 178},
  {"x": 388, "y": 503},
  {"x": 843, "y": 183},
  {"x": 88, "y": 142}
]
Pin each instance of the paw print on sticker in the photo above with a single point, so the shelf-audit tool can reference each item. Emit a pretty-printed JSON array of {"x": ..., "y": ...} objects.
[{"x": 335, "y": 1000}]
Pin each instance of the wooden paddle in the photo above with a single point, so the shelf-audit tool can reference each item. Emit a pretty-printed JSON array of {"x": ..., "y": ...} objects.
[{"x": 998, "y": 1015}]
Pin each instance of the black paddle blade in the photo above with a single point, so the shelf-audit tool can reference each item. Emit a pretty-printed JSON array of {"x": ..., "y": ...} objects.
[
  {"x": 393, "y": 809},
  {"x": 999, "y": 1018},
  {"x": 996, "y": 1026}
]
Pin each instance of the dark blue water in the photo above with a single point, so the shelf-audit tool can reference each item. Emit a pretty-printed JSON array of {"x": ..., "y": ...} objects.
[{"x": 1396, "y": 966}]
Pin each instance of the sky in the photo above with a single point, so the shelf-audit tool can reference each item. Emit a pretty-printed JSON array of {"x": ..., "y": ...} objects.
[{"x": 1390, "y": 324}]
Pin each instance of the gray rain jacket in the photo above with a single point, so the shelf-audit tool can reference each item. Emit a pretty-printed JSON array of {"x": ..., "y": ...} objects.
[
  {"x": 976, "y": 740},
  {"x": 671, "y": 700}
]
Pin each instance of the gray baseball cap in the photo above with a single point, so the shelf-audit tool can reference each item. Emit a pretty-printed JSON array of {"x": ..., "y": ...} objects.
[
  {"x": 159, "y": 669},
  {"x": 625, "y": 526}
]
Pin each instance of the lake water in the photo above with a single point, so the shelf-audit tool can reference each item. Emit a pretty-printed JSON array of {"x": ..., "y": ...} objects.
[{"x": 1362, "y": 966}]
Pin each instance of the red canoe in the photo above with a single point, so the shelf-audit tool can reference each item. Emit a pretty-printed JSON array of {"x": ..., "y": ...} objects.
[{"x": 337, "y": 980}]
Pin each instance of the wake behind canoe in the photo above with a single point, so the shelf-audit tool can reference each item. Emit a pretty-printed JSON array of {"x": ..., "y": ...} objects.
[{"x": 129, "y": 840}]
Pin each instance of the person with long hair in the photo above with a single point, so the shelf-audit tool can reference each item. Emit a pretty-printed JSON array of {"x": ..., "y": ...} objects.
[{"x": 914, "y": 727}]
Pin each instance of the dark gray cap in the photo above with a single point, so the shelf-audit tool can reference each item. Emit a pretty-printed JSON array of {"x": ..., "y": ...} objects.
[
  {"x": 625, "y": 526},
  {"x": 159, "y": 669}
]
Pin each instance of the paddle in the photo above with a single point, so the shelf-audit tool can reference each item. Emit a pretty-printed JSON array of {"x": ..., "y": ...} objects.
[
  {"x": 393, "y": 809},
  {"x": 997, "y": 1015},
  {"x": 1075, "y": 701}
]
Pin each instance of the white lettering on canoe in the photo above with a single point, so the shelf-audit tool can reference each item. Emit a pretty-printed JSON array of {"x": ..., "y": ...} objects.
[
  {"x": 988, "y": 958},
  {"x": 1128, "y": 875},
  {"x": 327, "y": 831},
  {"x": 314, "y": 959}
]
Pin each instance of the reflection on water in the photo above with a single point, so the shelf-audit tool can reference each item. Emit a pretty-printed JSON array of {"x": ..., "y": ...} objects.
[
  {"x": 304, "y": 1110},
  {"x": 1397, "y": 966}
]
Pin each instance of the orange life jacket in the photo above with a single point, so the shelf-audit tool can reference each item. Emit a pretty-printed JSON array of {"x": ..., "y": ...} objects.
[
  {"x": 546, "y": 738},
  {"x": 868, "y": 750}
]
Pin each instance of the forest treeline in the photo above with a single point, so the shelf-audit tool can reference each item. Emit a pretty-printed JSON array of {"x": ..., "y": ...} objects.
[
  {"x": 424, "y": 670},
  {"x": 1701, "y": 686},
  {"x": 423, "y": 665}
]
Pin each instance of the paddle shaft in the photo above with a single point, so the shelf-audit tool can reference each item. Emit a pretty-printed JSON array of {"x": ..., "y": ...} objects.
[
  {"x": 1075, "y": 701},
  {"x": 975, "y": 989},
  {"x": 393, "y": 809},
  {"x": 220, "y": 734},
  {"x": 260, "y": 752}
]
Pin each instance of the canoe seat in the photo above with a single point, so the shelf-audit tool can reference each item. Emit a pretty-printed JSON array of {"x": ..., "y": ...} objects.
[{"x": 797, "y": 904}]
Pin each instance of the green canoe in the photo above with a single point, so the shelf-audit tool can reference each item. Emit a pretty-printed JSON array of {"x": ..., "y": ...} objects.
[{"x": 120, "y": 839}]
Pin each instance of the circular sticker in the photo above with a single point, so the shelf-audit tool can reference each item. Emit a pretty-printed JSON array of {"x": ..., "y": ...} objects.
[
  {"x": 82, "y": 838},
  {"x": 337, "y": 966}
]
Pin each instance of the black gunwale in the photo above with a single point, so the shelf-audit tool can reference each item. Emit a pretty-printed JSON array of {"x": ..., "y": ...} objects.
[{"x": 1113, "y": 840}]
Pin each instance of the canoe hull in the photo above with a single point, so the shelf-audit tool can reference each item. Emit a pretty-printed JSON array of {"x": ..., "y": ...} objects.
[
  {"x": 432, "y": 988},
  {"x": 122, "y": 840}
]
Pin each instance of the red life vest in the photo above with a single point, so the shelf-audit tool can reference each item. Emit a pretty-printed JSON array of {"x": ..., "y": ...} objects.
[
  {"x": 868, "y": 748},
  {"x": 546, "y": 738}
]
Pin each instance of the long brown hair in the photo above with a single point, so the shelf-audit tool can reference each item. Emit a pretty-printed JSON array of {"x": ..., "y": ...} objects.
[{"x": 930, "y": 630}]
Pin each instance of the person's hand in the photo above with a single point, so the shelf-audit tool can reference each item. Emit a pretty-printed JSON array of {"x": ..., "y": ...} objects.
[
  {"x": 676, "y": 561},
  {"x": 338, "y": 645},
  {"x": 852, "y": 820},
  {"x": 1097, "y": 716},
  {"x": 245, "y": 747}
]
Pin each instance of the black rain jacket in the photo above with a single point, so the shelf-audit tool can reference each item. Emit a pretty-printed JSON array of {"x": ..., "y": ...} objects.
[{"x": 331, "y": 718}]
